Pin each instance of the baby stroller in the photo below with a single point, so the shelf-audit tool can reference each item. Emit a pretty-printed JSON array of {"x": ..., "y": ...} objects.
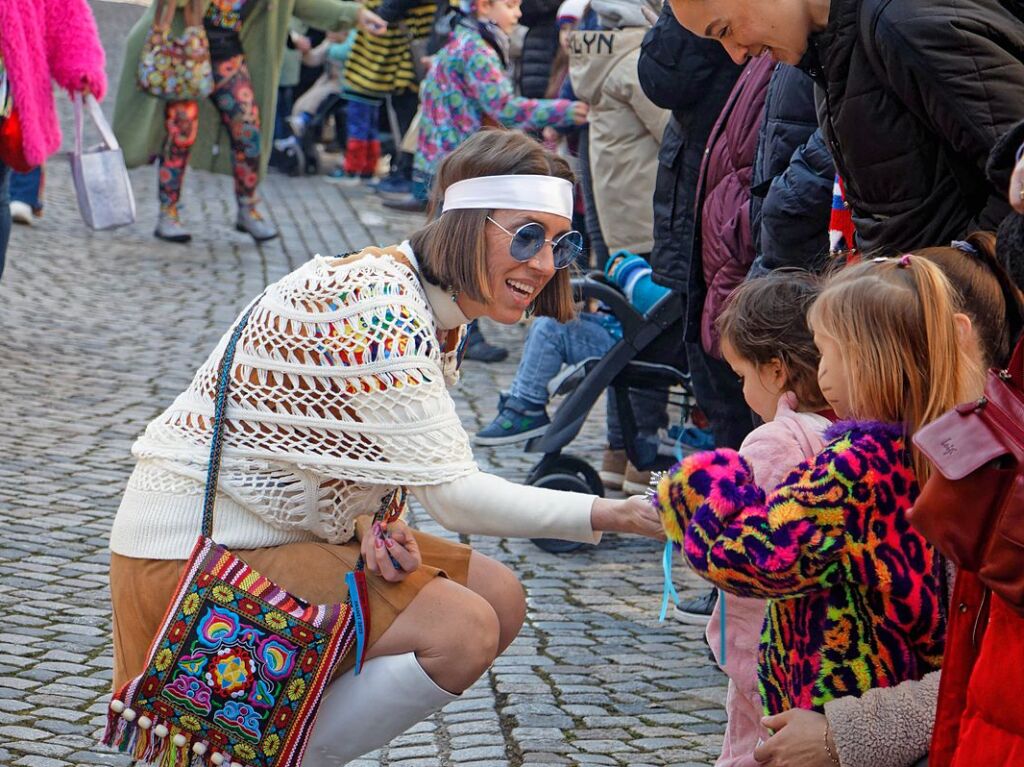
[{"x": 650, "y": 356}]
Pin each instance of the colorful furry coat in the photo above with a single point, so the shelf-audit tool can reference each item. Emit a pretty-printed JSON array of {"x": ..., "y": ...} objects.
[
  {"x": 856, "y": 593},
  {"x": 42, "y": 40}
]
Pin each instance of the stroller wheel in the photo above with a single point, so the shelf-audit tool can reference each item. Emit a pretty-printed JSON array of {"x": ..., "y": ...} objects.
[{"x": 566, "y": 472}]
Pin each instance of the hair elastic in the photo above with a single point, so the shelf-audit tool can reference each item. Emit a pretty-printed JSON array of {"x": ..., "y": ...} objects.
[
  {"x": 964, "y": 246},
  {"x": 904, "y": 261},
  {"x": 544, "y": 194}
]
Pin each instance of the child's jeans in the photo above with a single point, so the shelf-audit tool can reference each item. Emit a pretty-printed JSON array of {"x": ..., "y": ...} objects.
[
  {"x": 744, "y": 619},
  {"x": 28, "y": 188},
  {"x": 551, "y": 344}
]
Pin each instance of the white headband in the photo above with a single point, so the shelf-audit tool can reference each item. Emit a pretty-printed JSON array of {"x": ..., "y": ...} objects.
[{"x": 546, "y": 194}]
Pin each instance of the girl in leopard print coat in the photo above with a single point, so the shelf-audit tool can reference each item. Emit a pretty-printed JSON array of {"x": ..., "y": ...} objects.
[{"x": 855, "y": 594}]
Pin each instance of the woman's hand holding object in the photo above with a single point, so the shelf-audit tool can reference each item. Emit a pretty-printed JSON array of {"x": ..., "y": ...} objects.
[{"x": 391, "y": 552}]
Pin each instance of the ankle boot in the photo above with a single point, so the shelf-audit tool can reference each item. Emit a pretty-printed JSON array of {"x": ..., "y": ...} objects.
[
  {"x": 252, "y": 223},
  {"x": 362, "y": 713},
  {"x": 169, "y": 228}
]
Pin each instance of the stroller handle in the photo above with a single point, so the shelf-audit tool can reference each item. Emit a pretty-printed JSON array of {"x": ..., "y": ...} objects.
[{"x": 595, "y": 285}]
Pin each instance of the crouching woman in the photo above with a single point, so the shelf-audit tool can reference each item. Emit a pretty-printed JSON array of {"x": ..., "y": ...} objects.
[{"x": 337, "y": 397}]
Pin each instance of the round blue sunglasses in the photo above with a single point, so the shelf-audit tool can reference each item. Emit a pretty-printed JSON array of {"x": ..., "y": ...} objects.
[{"x": 528, "y": 240}]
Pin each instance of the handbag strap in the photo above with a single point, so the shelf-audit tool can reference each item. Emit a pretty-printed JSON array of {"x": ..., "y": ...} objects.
[
  {"x": 997, "y": 418},
  {"x": 1015, "y": 370},
  {"x": 194, "y": 13},
  {"x": 96, "y": 115},
  {"x": 163, "y": 15},
  {"x": 220, "y": 404}
]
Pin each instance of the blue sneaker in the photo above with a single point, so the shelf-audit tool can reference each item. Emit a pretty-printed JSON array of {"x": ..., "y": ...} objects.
[
  {"x": 517, "y": 421},
  {"x": 394, "y": 185}
]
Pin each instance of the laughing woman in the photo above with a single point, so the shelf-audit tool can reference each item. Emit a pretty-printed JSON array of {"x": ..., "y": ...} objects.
[
  {"x": 339, "y": 397},
  {"x": 917, "y": 92}
]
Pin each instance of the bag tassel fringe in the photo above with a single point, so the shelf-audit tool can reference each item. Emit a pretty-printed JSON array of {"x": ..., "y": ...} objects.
[{"x": 156, "y": 743}]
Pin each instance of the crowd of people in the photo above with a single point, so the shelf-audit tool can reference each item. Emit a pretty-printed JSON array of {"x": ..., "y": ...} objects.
[{"x": 831, "y": 192}]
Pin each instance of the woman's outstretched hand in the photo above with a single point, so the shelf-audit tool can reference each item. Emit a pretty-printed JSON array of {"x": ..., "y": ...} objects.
[
  {"x": 633, "y": 515},
  {"x": 392, "y": 555}
]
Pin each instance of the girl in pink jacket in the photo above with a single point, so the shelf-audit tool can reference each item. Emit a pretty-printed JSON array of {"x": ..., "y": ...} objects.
[
  {"x": 40, "y": 41},
  {"x": 766, "y": 341}
]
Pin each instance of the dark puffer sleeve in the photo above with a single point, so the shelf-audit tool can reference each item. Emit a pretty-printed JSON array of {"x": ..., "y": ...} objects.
[
  {"x": 793, "y": 226},
  {"x": 958, "y": 67}
]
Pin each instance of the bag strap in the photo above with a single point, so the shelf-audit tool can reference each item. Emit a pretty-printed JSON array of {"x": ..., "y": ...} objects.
[
  {"x": 1015, "y": 368},
  {"x": 220, "y": 404},
  {"x": 96, "y": 115},
  {"x": 163, "y": 15},
  {"x": 194, "y": 13},
  {"x": 998, "y": 419}
]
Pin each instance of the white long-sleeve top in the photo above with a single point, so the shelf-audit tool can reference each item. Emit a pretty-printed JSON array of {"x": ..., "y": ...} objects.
[{"x": 338, "y": 395}]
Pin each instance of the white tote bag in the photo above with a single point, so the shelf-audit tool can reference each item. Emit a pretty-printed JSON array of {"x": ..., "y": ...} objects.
[{"x": 101, "y": 179}]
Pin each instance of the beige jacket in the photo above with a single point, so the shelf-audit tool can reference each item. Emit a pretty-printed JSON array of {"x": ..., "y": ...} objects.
[
  {"x": 885, "y": 727},
  {"x": 625, "y": 133}
]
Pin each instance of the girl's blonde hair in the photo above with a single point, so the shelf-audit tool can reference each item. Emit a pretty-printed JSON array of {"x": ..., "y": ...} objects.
[{"x": 893, "y": 320}]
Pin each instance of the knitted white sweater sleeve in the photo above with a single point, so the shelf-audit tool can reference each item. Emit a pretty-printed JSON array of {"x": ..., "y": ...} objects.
[{"x": 484, "y": 504}]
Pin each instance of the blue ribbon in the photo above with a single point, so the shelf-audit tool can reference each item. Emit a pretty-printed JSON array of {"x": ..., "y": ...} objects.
[
  {"x": 668, "y": 589},
  {"x": 721, "y": 627},
  {"x": 355, "y": 600}
]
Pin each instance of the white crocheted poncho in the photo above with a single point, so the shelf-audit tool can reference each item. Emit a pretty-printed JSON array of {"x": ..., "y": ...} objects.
[{"x": 338, "y": 394}]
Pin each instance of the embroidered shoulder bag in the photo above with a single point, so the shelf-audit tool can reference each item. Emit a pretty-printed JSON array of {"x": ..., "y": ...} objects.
[
  {"x": 239, "y": 666},
  {"x": 176, "y": 68}
]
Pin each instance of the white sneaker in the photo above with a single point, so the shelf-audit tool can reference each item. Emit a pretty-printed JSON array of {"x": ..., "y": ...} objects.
[{"x": 21, "y": 212}]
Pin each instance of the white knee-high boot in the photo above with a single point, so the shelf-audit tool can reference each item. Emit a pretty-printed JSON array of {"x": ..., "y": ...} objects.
[{"x": 362, "y": 713}]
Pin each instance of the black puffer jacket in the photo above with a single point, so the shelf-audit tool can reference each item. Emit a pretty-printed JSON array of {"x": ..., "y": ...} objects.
[
  {"x": 539, "y": 46},
  {"x": 916, "y": 94},
  {"x": 791, "y": 198},
  {"x": 692, "y": 77}
]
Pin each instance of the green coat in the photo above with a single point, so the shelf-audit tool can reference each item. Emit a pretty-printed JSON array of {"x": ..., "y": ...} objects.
[{"x": 139, "y": 117}]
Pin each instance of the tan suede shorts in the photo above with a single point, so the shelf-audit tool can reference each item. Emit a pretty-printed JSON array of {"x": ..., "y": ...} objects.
[{"x": 140, "y": 589}]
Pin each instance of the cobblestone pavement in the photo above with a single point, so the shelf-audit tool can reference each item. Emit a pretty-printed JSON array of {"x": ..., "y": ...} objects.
[{"x": 101, "y": 330}]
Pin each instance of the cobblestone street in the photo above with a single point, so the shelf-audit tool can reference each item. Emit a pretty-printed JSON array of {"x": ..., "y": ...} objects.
[{"x": 101, "y": 330}]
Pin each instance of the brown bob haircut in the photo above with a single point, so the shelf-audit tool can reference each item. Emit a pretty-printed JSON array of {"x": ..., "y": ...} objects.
[{"x": 452, "y": 248}]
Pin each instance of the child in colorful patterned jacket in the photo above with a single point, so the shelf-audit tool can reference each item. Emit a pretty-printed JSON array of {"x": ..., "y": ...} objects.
[
  {"x": 768, "y": 344},
  {"x": 855, "y": 593},
  {"x": 467, "y": 89}
]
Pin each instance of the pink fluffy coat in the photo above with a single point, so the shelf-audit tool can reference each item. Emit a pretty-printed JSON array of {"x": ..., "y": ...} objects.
[
  {"x": 772, "y": 450},
  {"x": 42, "y": 40}
]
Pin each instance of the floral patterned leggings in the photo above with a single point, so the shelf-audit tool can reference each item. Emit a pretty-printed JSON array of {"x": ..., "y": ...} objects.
[{"x": 233, "y": 96}]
